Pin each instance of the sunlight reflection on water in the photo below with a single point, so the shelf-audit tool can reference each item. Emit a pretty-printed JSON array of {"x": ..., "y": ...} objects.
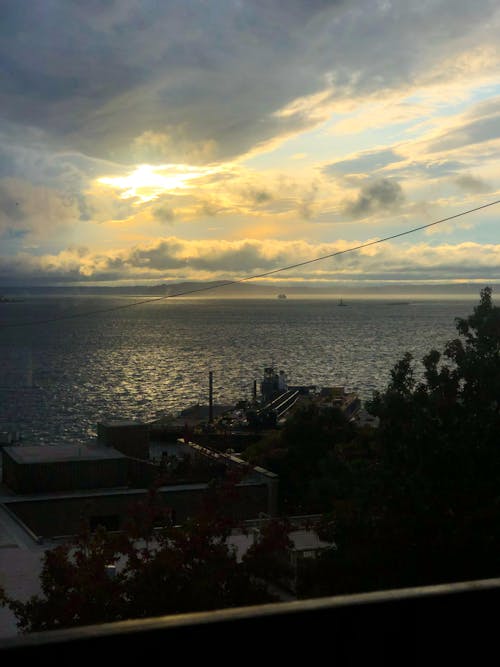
[{"x": 145, "y": 361}]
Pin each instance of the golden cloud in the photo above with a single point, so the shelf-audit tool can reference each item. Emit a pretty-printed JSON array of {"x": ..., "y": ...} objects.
[{"x": 173, "y": 259}]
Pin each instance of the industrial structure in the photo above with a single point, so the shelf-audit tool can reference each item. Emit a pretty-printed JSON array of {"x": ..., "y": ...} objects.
[{"x": 52, "y": 489}]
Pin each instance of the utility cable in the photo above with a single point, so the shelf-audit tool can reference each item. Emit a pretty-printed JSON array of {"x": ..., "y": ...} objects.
[{"x": 254, "y": 276}]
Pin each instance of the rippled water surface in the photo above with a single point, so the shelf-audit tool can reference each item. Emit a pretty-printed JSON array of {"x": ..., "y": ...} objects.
[{"x": 59, "y": 379}]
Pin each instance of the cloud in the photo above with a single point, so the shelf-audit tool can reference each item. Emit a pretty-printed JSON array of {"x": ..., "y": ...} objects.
[
  {"x": 258, "y": 196},
  {"x": 396, "y": 108},
  {"x": 175, "y": 259},
  {"x": 473, "y": 184},
  {"x": 160, "y": 73},
  {"x": 242, "y": 193},
  {"x": 306, "y": 205},
  {"x": 475, "y": 132},
  {"x": 478, "y": 125},
  {"x": 123, "y": 89},
  {"x": 164, "y": 214},
  {"x": 364, "y": 162},
  {"x": 28, "y": 155},
  {"x": 436, "y": 168},
  {"x": 207, "y": 81},
  {"x": 382, "y": 194},
  {"x": 34, "y": 211},
  {"x": 172, "y": 145},
  {"x": 58, "y": 176}
]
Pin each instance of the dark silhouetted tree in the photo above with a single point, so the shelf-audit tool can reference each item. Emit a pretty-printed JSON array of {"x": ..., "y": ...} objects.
[
  {"x": 153, "y": 568},
  {"x": 423, "y": 505}
]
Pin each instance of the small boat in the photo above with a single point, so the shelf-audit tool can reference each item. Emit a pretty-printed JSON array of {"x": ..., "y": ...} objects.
[
  {"x": 281, "y": 296},
  {"x": 341, "y": 303}
]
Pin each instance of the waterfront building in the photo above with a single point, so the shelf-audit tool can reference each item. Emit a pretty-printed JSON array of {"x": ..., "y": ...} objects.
[{"x": 50, "y": 490}]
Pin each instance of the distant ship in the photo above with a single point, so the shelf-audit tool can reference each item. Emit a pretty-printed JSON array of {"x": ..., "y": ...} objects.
[
  {"x": 281, "y": 296},
  {"x": 341, "y": 303}
]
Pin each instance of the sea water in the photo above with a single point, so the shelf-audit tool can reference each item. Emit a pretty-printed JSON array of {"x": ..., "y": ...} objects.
[{"x": 60, "y": 377}]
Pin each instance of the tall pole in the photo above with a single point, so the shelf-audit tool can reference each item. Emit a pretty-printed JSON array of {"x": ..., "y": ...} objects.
[{"x": 211, "y": 396}]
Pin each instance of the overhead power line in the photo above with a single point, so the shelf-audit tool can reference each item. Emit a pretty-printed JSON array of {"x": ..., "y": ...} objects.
[{"x": 254, "y": 276}]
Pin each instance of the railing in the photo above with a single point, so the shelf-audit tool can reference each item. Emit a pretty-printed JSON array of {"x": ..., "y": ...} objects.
[
  {"x": 416, "y": 626},
  {"x": 282, "y": 403}
]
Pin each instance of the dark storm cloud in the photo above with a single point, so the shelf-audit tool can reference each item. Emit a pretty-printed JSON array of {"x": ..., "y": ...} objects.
[
  {"x": 375, "y": 196},
  {"x": 95, "y": 76}
]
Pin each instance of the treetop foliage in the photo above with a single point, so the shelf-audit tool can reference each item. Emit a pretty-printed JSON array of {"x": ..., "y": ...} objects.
[{"x": 154, "y": 568}]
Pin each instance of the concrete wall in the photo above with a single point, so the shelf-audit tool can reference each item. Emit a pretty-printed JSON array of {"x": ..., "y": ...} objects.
[
  {"x": 50, "y": 517},
  {"x": 50, "y": 476}
]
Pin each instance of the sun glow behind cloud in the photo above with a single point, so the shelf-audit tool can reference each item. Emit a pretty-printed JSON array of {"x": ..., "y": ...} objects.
[
  {"x": 241, "y": 123},
  {"x": 147, "y": 182}
]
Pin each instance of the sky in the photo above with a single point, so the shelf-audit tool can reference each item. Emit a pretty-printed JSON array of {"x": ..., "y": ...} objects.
[{"x": 148, "y": 141}]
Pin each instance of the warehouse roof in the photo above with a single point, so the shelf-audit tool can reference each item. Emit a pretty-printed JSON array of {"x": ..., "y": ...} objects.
[{"x": 59, "y": 453}]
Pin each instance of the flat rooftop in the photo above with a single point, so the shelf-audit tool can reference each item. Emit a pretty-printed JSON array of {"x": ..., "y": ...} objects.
[
  {"x": 58, "y": 453},
  {"x": 305, "y": 540}
]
